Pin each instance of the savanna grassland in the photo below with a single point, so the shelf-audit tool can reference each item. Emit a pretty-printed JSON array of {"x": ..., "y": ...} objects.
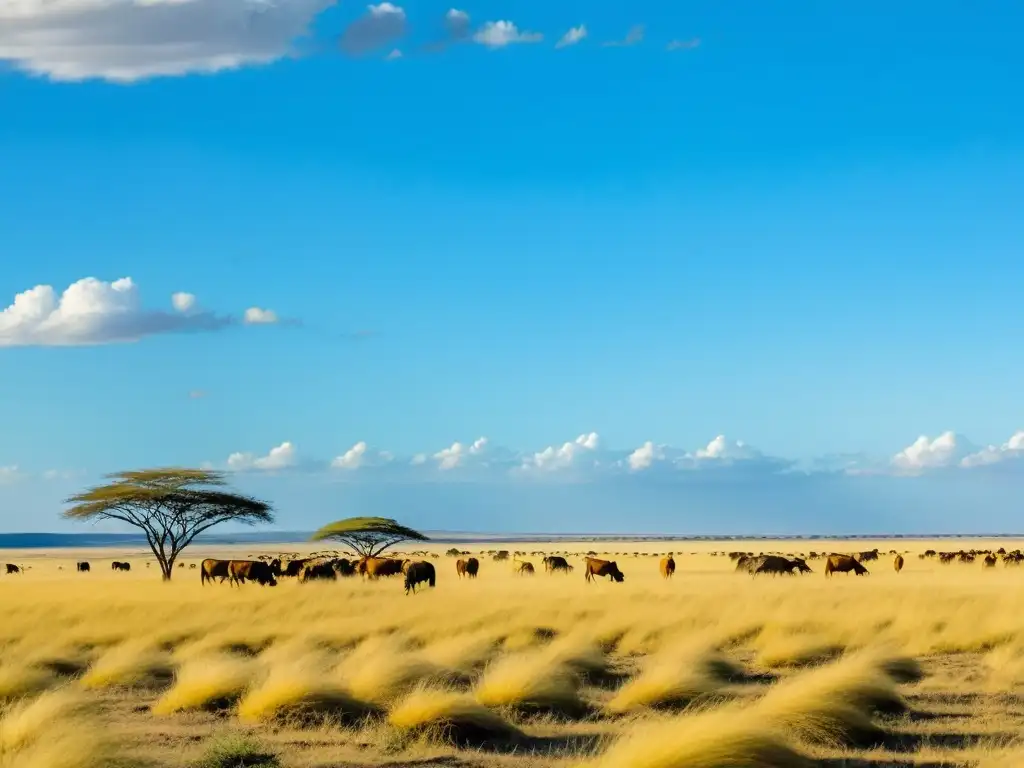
[{"x": 711, "y": 669}]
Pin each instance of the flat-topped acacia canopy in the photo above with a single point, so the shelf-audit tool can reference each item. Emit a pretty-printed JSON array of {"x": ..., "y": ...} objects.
[
  {"x": 171, "y": 505},
  {"x": 368, "y": 536}
]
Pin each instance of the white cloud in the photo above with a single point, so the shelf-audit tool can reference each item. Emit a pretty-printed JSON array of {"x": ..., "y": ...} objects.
[
  {"x": 258, "y": 316},
  {"x": 924, "y": 453},
  {"x": 281, "y": 457},
  {"x": 498, "y": 34},
  {"x": 552, "y": 458},
  {"x": 92, "y": 311},
  {"x": 9, "y": 474},
  {"x": 352, "y": 458},
  {"x": 458, "y": 454},
  {"x": 126, "y": 40},
  {"x": 725, "y": 450},
  {"x": 184, "y": 302},
  {"x": 359, "y": 455},
  {"x": 645, "y": 455},
  {"x": 419, "y": 459},
  {"x": 395, "y": 54},
  {"x": 1011, "y": 449},
  {"x": 573, "y": 36},
  {"x": 380, "y": 25}
]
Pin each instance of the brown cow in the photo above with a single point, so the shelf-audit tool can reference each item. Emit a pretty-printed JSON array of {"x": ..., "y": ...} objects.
[
  {"x": 468, "y": 568},
  {"x": 897, "y": 563},
  {"x": 843, "y": 564},
  {"x": 525, "y": 569},
  {"x": 375, "y": 567},
  {"x": 240, "y": 571},
  {"x": 12, "y": 568},
  {"x": 667, "y": 566},
  {"x": 990, "y": 561},
  {"x": 607, "y": 568},
  {"x": 213, "y": 569}
]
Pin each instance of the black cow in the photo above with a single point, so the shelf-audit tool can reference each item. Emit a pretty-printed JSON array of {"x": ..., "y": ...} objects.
[{"x": 82, "y": 567}]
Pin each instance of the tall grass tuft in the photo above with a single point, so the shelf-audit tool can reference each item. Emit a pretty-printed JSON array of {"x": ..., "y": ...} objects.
[
  {"x": 211, "y": 682},
  {"x": 717, "y": 739},
  {"x": 670, "y": 680},
  {"x": 17, "y": 680},
  {"x": 452, "y": 717},
  {"x": 130, "y": 663},
  {"x": 301, "y": 690},
  {"x": 833, "y": 705},
  {"x": 52, "y": 731},
  {"x": 531, "y": 682}
]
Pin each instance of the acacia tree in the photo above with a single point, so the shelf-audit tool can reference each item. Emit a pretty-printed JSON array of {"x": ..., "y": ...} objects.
[
  {"x": 171, "y": 506},
  {"x": 368, "y": 536}
]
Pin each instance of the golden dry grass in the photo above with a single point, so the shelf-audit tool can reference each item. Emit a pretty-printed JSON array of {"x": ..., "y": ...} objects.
[{"x": 711, "y": 670}]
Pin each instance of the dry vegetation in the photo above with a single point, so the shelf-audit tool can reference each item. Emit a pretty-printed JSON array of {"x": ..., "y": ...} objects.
[{"x": 712, "y": 669}]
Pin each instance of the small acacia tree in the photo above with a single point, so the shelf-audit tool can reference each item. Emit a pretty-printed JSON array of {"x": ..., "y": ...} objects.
[
  {"x": 368, "y": 536},
  {"x": 171, "y": 506}
]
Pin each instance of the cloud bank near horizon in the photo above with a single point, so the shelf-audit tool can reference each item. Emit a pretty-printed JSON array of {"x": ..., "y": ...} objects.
[
  {"x": 587, "y": 458},
  {"x": 124, "y": 41},
  {"x": 726, "y": 487}
]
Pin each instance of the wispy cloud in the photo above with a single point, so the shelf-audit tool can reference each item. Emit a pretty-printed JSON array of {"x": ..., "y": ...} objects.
[
  {"x": 635, "y": 36},
  {"x": 683, "y": 45},
  {"x": 573, "y": 36},
  {"x": 498, "y": 34}
]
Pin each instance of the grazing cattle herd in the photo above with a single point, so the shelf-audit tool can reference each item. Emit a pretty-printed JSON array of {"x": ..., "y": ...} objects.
[{"x": 266, "y": 570}]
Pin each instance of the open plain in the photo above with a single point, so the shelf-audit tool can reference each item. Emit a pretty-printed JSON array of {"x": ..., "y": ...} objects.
[{"x": 708, "y": 669}]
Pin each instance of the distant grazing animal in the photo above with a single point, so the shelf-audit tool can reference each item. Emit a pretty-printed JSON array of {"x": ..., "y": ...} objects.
[
  {"x": 82, "y": 567},
  {"x": 214, "y": 569},
  {"x": 418, "y": 573},
  {"x": 12, "y": 568},
  {"x": 315, "y": 571},
  {"x": 190, "y": 565},
  {"x": 897, "y": 563},
  {"x": 241, "y": 571},
  {"x": 776, "y": 564},
  {"x": 607, "y": 568},
  {"x": 554, "y": 563},
  {"x": 990, "y": 561},
  {"x": 117, "y": 565},
  {"x": 468, "y": 568},
  {"x": 294, "y": 567},
  {"x": 843, "y": 564},
  {"x": 526, "y": 569},
  {"x": 375, "y": 567},
  {"x": 667, "y": 567},
  {"x": 865, "y": 557}
]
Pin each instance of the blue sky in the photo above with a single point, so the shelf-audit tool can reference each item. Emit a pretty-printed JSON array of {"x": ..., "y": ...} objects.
[{"x": 799, "y": 230}]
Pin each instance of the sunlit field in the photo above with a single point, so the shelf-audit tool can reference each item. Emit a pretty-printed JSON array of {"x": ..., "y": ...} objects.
[{"x": 709, "y": 669}]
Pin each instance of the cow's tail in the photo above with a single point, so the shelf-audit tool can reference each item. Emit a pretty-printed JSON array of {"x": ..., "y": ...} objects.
[
  {"x": 202, "y": 576},
  {"x": 433, "y": 578}
]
